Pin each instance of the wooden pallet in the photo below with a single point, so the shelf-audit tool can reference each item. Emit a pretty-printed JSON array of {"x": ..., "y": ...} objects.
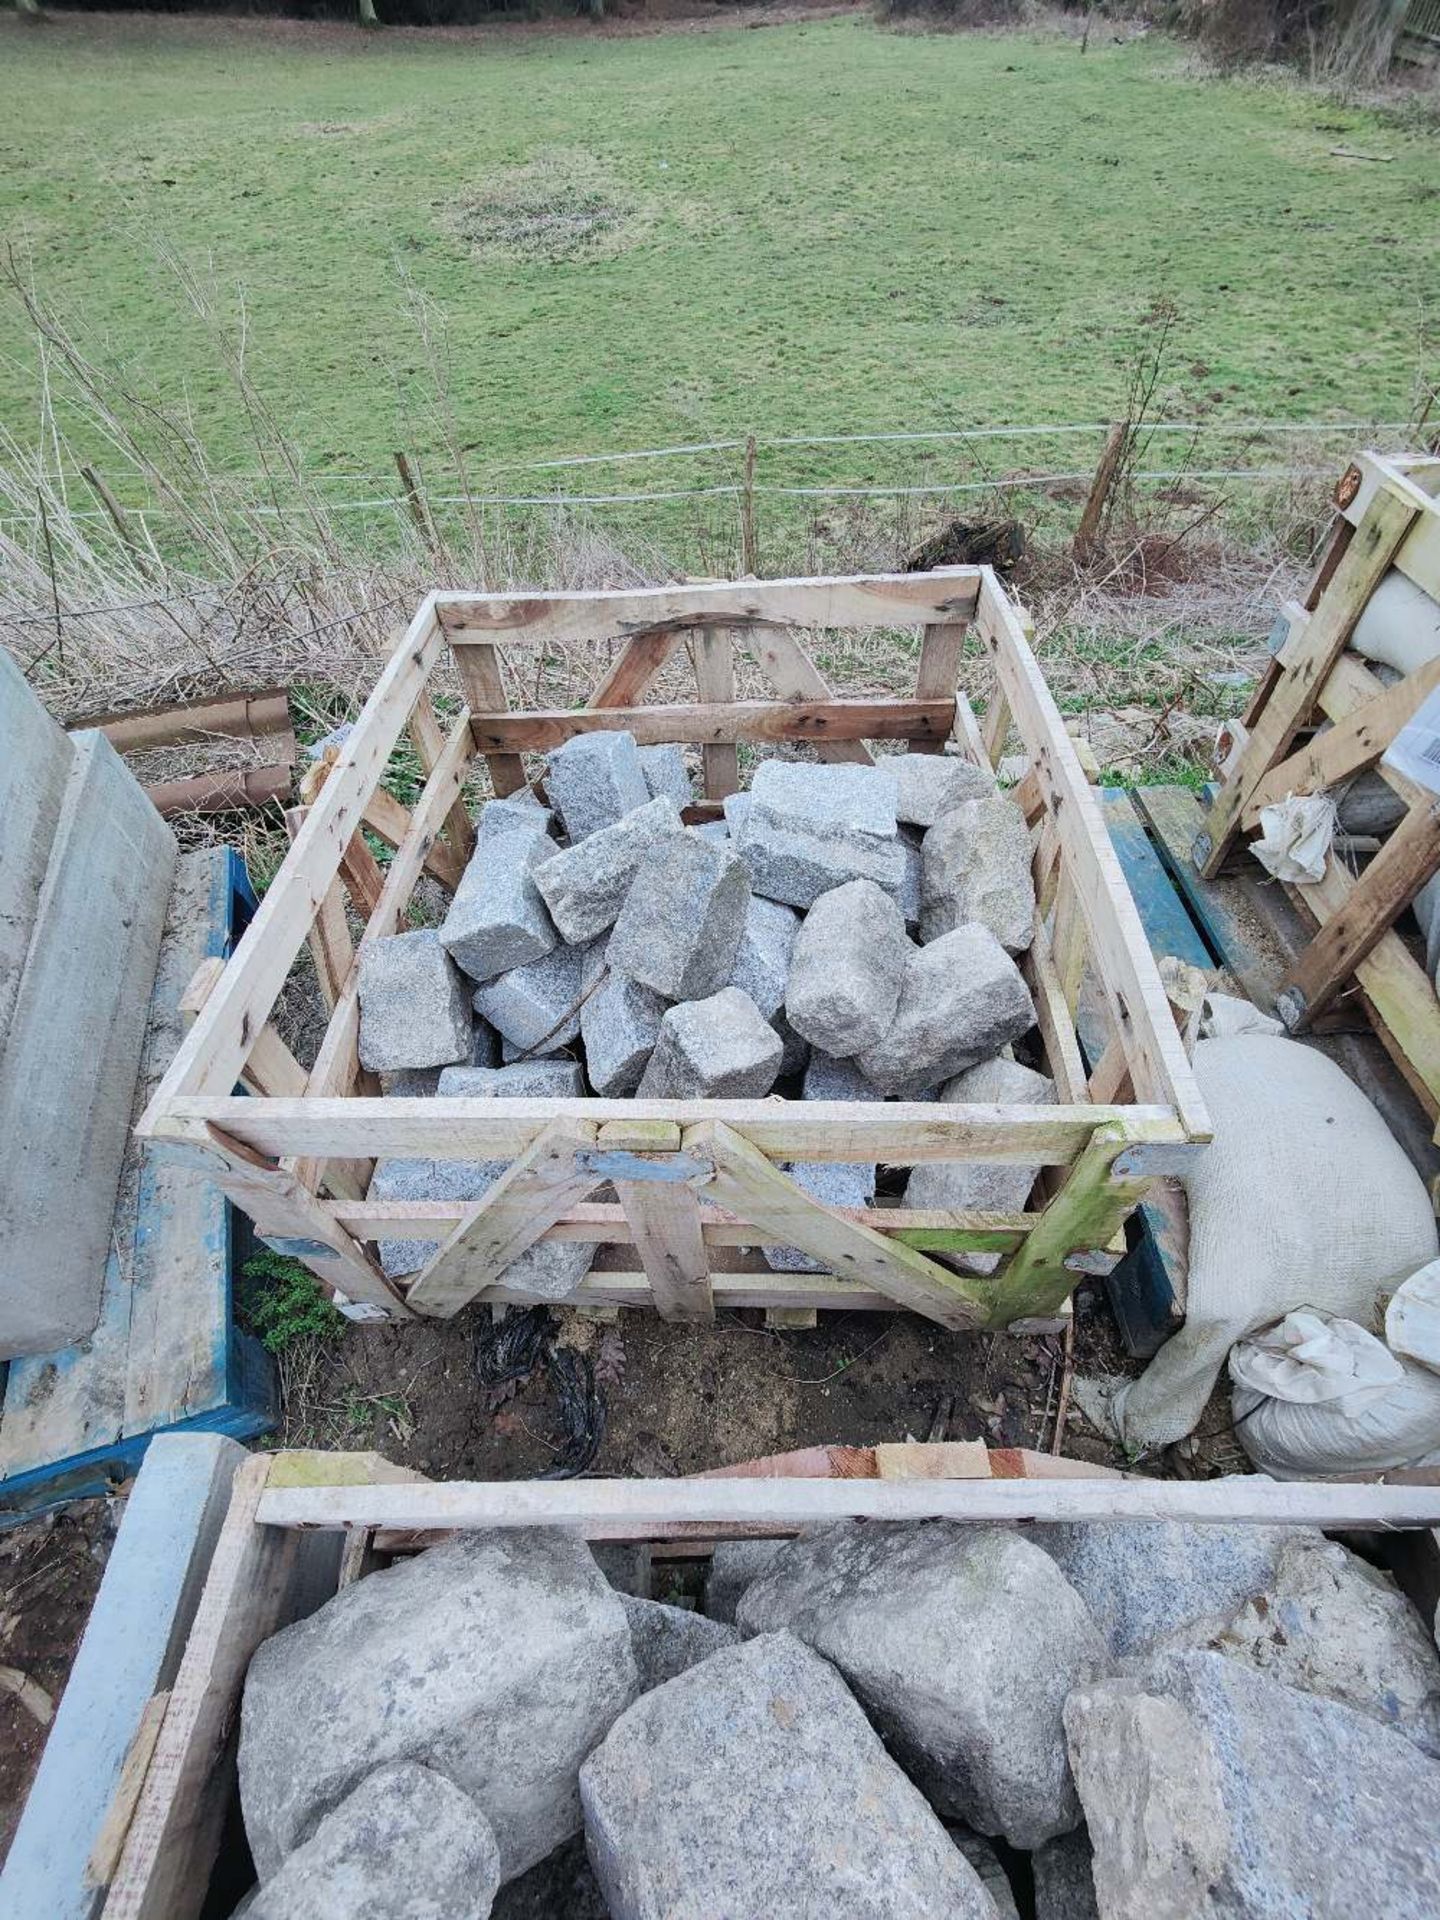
[
  {"x": 1388, "y": 521},
  {"x": 695, "y": 1179},
  {"x": 166, "y": 1354}
]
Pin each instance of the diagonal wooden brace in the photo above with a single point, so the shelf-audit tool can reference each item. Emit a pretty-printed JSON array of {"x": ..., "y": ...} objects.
[
  {"x": 510, "y": 1216},
  {"x": 747, "y": 1184}
]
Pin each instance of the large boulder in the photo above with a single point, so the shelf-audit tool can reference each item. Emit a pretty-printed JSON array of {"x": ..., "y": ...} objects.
[
  {"x": 734, "y": 1565},
  {"x": 1064, "y": 1874},
  {"x": 670, "y": 1640},
  {"x": 407, "y": 1844},
  {"x": 1210, "y": 1790},
  {"x": 753, "y": 1786},
  {"x": 976, "y": 866},
  {"x": 962, "y": 1644},
  {"x": 498, "y": 1659}
]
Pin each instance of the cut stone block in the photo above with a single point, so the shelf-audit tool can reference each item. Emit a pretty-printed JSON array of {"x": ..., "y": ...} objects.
[
  {"x": 620, "y": 1024},
  {"x": 811, "y": 828},
  {"x": 976, "y": 866},
  {"x": 498, "y": 1659},
  {"x": 497, "y": 919},
  {"x": 762, "y": 968},
  {"x": 961, "y": 1001},
  {"x": 671, "y": 1640},
  {"x": 962, "y": 1644},
  {"x": 753, "y": 1785},
  {"x": 526, "y": 1080},
  {"x": 909, "y": 897},
  {"x": 585, "y": 885},
  {"x": 734, "y": 1564},
  {"x": 736, "y": 807},
  {"x": 594, "y": 780},
  {"x": 713, "y": 1049},
  {"x": 829, "y": 1079},
  {"x": 995, "y": 1188},
  {"x": 407, "y": 1844},
  {"x": 929, "y": 784},
  {"x": 1065, "y": 1878},
  {"x": 845, "y": 974},
  {"x": 486, "y": 1049},
  {"x": 715, "y": 831},
  {"x": 1210, "y": 1790},
  {"x": 413, "y": 1010},
  {"x": 537, "y": 1003},
  {"x": 411, "y": 1083},
  {"x": 516, "y": 812},
  {"x": 833, "y": 1184},
  {"x": 680, "y": 928},
  {"x": 550, "y": 1269},
  {"x": 665, "y": 772}
]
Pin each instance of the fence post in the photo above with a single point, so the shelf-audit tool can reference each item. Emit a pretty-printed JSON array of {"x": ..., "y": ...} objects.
[{"x": 749, "y": 560}]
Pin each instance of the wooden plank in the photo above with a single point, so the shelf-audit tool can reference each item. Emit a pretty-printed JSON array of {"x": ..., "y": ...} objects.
[
  {"x": 1176, "y": 816},
  {"x": 428, "y": 738},
  {"x": 385, "y": 816},
  {"x": 1052, "y": 1016},
  {"x": 73, "y": 1047},
  {"x": 479, "y": 670},
  {"x": 1365, "y": 563},
  {"x": 252, "y": 715},
  {"x": 510, "y": 1216},
  {"x": 331, "y": 947},
  {"x": 635, "y": 669},
  {"x": 259, "y": 1580},
  {"x": 1356, "y": 743},
  {"x": 1245, "y": 1500},
  {"x": 212, "y": 1053},
  {"x": 1362, "y": 916},
  {"x": 942, "y": 648},
  {"x": 1168, "y": 927},
  {"x": 899, "y": 1133},
  {"x": 794, "y": 676},
  {"x": 746, "y": 1183},
  {"x": 716, "y": 721},
  {"x": 1419, "y": 555},
  {"x": 855, "y": 600},
  {"x": 664, "y": 1220},
  {"x": 1119, "y": 948},
  {"x": 712, "y": 652},
  {"x": 34, "y": 771},
  {"x": 363, "y": 876}
]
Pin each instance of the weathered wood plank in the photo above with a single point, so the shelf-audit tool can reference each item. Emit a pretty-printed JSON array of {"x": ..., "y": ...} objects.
[
  {"x": 716, "y": 722},
  {"x": 712, "y": 651},
  {"x": 664, "y": 1221},
  {"x": 1356, "y": 743},
  {"x": 34, "y": 769},
  {"x": 794, "y": 676}
]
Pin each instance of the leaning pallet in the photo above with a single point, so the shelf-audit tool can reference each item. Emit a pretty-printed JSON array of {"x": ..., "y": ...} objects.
[
  {"x": 1388, "y": 524},
  {"x": 699, "y": 1183}
]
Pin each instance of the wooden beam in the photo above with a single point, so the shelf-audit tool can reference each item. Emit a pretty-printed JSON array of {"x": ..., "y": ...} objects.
[
  {"x": 635, "y": 669},
  {"x": 942, "y": 648},
  {"x": 510, "y": 1216},
  {"x": 428, "y": 737},
  {"x": 713, "y": 654},
  {"x": 331, "y": 947},
  {"x": 794, "y": 676},
  {"x": 855, "y": 600},
  {"x": 479, "y": 670},
  {"x": 1244, "y": 1500},
  {"x": 746, "y": 1183},
  {"x": 664, "y": 1220},
  {"x": 386, "y": 817},
  {"x": 718, "y": 721}
]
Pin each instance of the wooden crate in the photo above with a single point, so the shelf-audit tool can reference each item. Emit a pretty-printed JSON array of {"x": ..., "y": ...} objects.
[
  {"x": 165, "y": 1829},
  {"x": 696, "y": 1182},
  {"x": 1388, "y": 519}
]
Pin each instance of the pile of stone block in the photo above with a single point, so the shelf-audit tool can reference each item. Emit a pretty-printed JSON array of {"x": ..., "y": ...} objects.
[
  {"x": 844, "y": 933},
  {"x": 1084, "y": 1722}
]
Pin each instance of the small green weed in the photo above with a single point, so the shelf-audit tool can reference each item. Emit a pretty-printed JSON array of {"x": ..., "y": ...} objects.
[{"x": 281, "y": 1303}]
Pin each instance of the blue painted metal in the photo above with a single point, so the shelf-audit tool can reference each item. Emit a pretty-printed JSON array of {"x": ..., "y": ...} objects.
[
  {"x": 615, "y": 1163},
  {"x": 236, "y": 1394}
]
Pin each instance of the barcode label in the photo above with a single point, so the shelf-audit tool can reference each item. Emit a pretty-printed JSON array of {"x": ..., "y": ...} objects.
[{"x": 1415, "y": 750}]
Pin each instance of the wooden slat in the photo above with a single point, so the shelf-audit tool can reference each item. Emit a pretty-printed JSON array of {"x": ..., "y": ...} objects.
[
  {"x": 213, "y": 1052},
  {"x": 1362, "y": 916},
  {"x": 428, "y": 737},
  {"x": 899, "y": 1133},
  {"x": 1245, "y": 1500},
  {"x": 635, "y": 669},
  {"x": 1414, "y": 476},
  {"x": 363, "y": 876},
  {"x": 713, "y": 654},
  {"x": 746, "y": 1183},
  {"x": 794, "y": 676},
  {"x": 716, "y": 721},
  {"x": 385, "y": 816},
  {"x": 331, "y": 948},
  {"x": 1366, "y": 561},
  {"x": 479, "y": 670},
  {"x": 1056, "y": 1024},
  {"x": 272, "y": 1069},
  {"x": 538, "y": 1185},
  {"x": 856, "y": 600},
  {"x": 942, "y": 648},
  {"x": 664, "y": 1219}
]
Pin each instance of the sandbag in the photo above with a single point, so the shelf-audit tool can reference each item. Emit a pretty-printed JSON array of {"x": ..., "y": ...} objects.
[
  {"x": 1303, "y": 1199},
  {"x": 1316, "y": 1396},
  {"x": 1400, "y": 626},
  {"x": 1412, "y": 1319}
]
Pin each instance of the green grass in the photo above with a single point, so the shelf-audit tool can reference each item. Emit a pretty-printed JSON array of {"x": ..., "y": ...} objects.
[{"x": 815, "y": 228}]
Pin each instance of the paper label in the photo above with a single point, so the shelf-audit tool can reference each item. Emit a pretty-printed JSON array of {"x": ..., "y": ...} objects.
[{"x": 1415, "y": 750}]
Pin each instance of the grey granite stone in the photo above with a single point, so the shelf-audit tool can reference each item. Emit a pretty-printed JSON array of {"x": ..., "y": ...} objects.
[
  {"x": 984, "y": 1187},
  {"x": 762, "y": 967},
  {"x": 811, "y": 828},
  {"x": 585, "y": 885},
  {"x": 412, "y": 1083},
  {"x": 407, "y": 1844},
  {"x": 1210, "y": 1790},
  {"x": 962, "y": 1644},
  {"x": 538, "y": 1003},
  {"x": 846, "y": 970},
  {"x": 909, "y": 897},
  {"x": 961, "y": 1000},
  {"x": 595, "y": 780},
  {"x": 833, "y": 1184},
  {"x": 680, "y": 928},
  {"x": 665, "y": 772},
  {"x": 737, "y": 811},
  {"x": 497, "y": 919},
  {"x": 929, "y": 784},
  {"x": 720, "y": 1048},
  {"x": 976, "y": 866},
  {"x": 620, "y": 1024},
  {"x": 498, "y": 1659},
  {"x": 486, "y": 1049},
  {"x": 753, "y": 1786},
  {"x": 671, "y": 1640},
  {"x": 1065, "y": 1878},
  {"x": 525, "y": 1080},
  {"x": 412, "y": 1004},
  {"x": 516, "y": 812},
  {"x": 733, "y": 1565}
]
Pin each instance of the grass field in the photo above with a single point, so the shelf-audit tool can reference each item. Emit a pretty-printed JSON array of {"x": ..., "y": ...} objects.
[{"x": 819, "y": 227}]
